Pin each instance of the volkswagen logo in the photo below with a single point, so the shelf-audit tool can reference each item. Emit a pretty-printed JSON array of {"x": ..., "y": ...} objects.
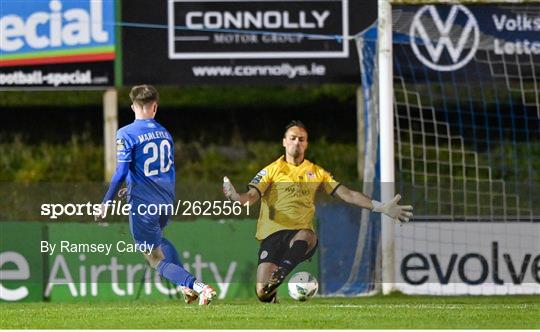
[{"x": 457, "y": 36}]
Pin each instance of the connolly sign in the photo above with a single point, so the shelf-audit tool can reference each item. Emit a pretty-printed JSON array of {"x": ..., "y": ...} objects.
[{"x": 223, "y": 29}]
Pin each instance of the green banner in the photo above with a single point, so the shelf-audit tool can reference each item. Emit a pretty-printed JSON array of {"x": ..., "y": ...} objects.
[
  {"x": 97, "y": 261},
  {"x": 21, "y": 263}
]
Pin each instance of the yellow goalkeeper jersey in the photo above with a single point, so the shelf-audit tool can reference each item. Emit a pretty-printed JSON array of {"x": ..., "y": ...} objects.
[{"x": 288, "y": 195}]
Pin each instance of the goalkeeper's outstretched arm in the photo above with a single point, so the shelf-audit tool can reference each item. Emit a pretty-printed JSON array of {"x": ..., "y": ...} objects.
[
  {"x": 251, "y": 196},
  {"x": 398, "y": 213}
]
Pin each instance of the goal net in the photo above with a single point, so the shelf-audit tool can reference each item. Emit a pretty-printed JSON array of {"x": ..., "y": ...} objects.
[{"x": 466, "y": 107}]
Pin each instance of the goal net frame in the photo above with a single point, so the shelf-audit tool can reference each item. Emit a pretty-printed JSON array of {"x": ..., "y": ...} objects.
[{"x": 385, "y": 103}]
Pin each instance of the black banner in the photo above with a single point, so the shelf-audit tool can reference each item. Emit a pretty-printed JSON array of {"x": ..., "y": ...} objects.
[{"x": 242, "y": 42}]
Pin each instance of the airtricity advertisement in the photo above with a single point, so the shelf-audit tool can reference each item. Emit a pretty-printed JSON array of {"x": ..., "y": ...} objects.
[{"x": 70, "y": 262}]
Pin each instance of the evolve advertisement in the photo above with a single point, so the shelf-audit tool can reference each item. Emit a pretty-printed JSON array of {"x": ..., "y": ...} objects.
[
  {"x": 223, "y": 41},
  {"x": 95, "y": 262},
  {"x": 57, "y": 43},
  {"x": 478, "y": 258},
  {"x": 448, "y": 38}
]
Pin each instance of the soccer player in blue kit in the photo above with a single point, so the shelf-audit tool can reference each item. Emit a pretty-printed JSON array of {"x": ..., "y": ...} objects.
[{"x": 145, "y": 161}]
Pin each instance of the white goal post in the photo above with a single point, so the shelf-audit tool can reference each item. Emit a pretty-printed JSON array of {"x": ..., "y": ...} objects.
[{"x": 386, "y": 123}]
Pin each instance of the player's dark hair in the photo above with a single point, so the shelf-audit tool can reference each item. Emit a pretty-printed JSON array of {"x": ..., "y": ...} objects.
[
  {"x": 295, "y": 123},
  {"x": 143, "y": 94}
]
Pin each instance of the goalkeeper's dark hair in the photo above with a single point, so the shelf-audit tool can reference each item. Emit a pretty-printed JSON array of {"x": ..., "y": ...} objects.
[
  {"x": 295, "y": 123},
  {"x": 143, "y": 94}
]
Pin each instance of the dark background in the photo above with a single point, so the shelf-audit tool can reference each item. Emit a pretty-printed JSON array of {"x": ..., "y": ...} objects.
[{"x": 207, "y": 114}]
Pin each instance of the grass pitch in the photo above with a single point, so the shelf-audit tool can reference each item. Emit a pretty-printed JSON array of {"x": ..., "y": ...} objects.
[{"x": 378, "y": 312}]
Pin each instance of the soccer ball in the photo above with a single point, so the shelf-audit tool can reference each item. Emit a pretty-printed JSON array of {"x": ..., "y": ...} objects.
[{"x": 302, "y": 286}]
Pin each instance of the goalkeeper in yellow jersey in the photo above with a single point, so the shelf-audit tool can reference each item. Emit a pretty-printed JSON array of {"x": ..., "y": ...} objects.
[{"x": 287, "y": 189}]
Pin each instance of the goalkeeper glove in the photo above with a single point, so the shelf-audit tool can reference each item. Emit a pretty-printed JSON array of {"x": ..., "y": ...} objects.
[
  {"x": 228, "y": 190},
  {"x": 398, "y": 213}
]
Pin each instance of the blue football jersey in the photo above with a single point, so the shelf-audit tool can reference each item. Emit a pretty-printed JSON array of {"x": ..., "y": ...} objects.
[{"x": 149, "y": 149}]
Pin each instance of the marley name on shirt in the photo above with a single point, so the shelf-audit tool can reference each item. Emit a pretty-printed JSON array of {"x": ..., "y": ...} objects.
[{"x": 104, "y": 248}]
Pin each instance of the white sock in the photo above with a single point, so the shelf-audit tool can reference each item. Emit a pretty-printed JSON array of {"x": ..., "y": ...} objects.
[{"x": 198, "y": 286}]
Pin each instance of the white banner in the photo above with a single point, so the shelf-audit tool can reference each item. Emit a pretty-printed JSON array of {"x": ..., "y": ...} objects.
[{"x": 478, "y": 258}]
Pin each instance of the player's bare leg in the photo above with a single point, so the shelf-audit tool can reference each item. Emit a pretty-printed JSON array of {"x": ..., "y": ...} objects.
[
  {"x": 303, "y": 242},
  {"x": 264, "y": 272},
  {"x": 155, "y": 256},
  {"x": 305, "y": 235}
]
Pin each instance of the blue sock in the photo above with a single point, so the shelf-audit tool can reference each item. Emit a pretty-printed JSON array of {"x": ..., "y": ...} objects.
[
  {"x": 176, "y": 274},
  {"x": 171, "y": 255},
  {"x": 171, "y": 267}
]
